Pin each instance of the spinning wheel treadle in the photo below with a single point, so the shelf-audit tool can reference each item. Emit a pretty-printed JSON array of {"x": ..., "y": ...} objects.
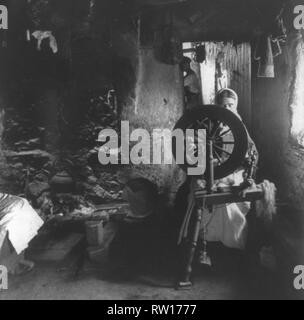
[{"x": 226, "y": 131}]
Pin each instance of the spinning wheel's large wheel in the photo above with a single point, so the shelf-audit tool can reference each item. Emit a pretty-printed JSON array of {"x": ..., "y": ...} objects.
[{"x": 224, "y": 129}]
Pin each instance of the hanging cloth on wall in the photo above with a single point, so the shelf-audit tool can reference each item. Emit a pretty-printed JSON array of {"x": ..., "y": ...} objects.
[
  {"x": 263, "y": 54},
  {"x": 220, "y": 73},
  {"x": 278, "y": 36},
  {"x": 269, "y": 46},
  {"x": 42, "y": 35},
  {"x": 200, "y": 53}
]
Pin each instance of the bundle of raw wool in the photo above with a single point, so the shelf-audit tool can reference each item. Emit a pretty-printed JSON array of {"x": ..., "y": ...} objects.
[{"x": 266, "y": 207}]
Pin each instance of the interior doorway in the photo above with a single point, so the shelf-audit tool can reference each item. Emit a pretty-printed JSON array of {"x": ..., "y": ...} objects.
[{"x": 223, "y": 65}]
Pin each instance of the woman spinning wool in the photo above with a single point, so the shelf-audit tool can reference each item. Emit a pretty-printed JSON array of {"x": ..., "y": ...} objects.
[
  {"x": 232, "y": 225},
  {"x": 227, "y": 222}
]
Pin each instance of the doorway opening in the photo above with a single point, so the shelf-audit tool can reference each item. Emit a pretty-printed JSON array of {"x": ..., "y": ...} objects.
[{"x": 220, "y": 65}]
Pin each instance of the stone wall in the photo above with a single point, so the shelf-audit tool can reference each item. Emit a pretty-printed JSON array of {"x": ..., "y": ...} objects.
[
  {"x": 156, "y": 102},
  {"x": 282, "y": 160}
]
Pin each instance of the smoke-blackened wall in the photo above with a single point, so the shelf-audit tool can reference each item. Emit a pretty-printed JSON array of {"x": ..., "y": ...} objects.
[
  {"x": 151, "y": 97},
  {"x": 276, "y": 104}
]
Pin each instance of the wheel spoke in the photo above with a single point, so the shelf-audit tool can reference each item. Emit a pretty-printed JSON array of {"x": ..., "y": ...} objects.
[
  {"x": 218, "y": 157},
  {"x": 215, "y": 129},
  {"x": 202, "y": 123},
  {"x": 228, "y": 142},
  {"x": 225, "y": 132},
  {"x": 223, "y": 150}
]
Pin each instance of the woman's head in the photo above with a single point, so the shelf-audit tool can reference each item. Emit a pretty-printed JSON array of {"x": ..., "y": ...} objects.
[{"x": 228, "y": 99}]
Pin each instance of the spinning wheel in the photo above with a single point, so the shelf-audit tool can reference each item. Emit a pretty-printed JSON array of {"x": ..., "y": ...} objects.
[
  {"x": 227, "y": 145},
  {"x": 224, "y": 131}
]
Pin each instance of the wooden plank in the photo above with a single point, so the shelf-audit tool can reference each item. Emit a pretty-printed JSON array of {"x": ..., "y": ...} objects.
[{"x": 227, "y": 197}]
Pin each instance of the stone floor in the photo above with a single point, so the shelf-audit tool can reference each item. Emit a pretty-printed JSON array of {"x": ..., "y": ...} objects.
[
  {"x": 77, "y": 277},
  {"x": 94, "y": 283}
]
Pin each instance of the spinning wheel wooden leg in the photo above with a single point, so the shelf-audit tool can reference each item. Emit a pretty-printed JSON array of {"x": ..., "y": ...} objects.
[{"x": 185, "y": 282}]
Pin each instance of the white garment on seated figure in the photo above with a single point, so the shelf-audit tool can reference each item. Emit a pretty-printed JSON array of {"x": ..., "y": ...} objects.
[
  {"x": 19, "y": 220},
  {"x": 227, "y": 222}
]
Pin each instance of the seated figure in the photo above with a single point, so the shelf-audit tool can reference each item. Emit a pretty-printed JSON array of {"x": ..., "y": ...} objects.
[{"x": 227, "y": 222}]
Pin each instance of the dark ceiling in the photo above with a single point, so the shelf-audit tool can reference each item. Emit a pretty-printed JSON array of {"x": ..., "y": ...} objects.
[
  {"x": 198, "y": 20},
  {"x": 194, "y": 19}
]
